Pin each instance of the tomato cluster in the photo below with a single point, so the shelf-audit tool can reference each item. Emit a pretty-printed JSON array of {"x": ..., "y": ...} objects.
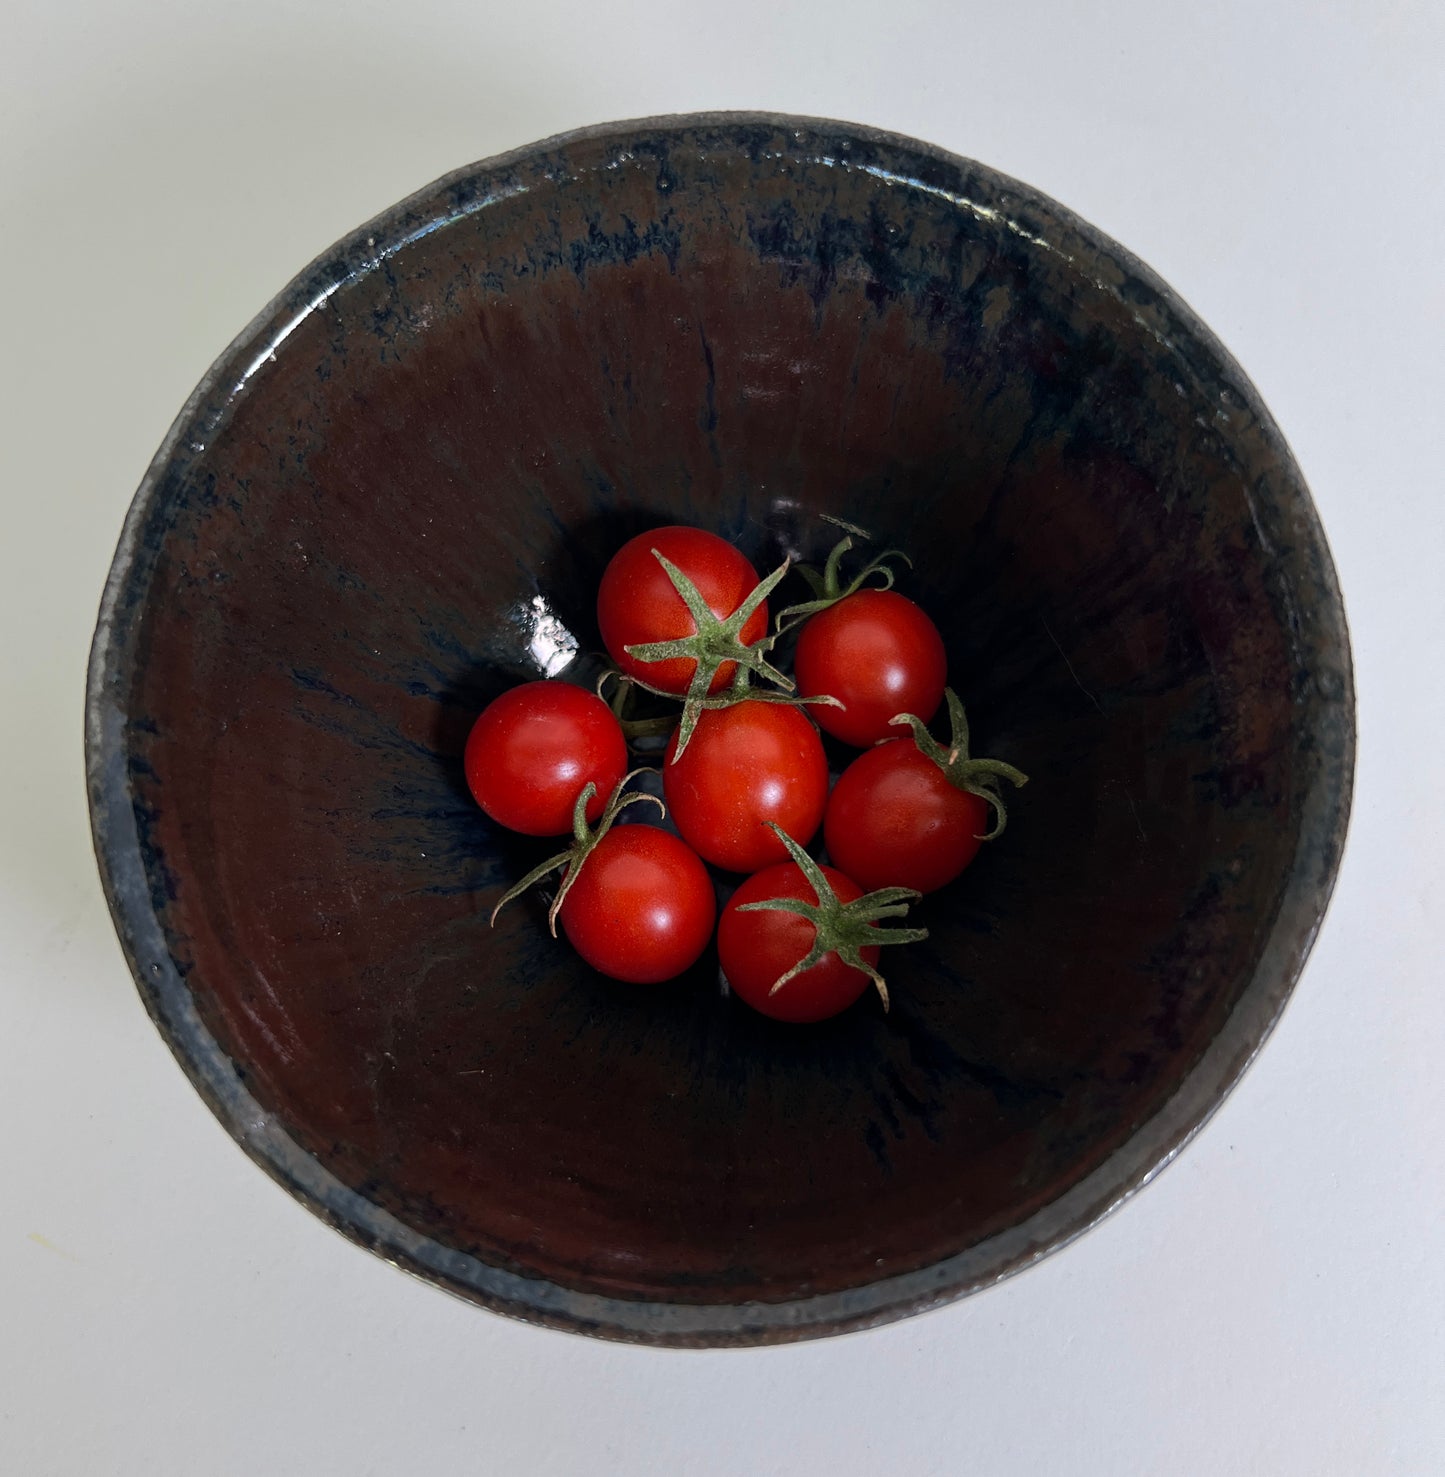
[{"x": 745, "y": 776}]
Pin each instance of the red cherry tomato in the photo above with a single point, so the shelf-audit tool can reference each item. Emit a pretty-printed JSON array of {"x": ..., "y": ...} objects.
[
  {"x": 879, "y": 655},
  {"x": 637, "y": 602},
  {"x": 642, "y": 907},
  {"x": 756, "y": 949},
  {"x": 894, "y": 820},
  {"x": 533, "y": 750},
  {"x": 744, "y": 766}
]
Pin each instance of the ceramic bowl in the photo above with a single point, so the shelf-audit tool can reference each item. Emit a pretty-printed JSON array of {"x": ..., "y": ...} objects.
[{"x": 393, "y": 497}]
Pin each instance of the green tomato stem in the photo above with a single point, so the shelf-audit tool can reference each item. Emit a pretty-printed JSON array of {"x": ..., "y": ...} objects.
[
  {"x": 584, "y": 843},
  {"x": 714, "y": 643},
  {"x": 973, "y": 776},
  {"x": 828, "y": 587},
  {"x": 844, "y": 929},
  {"x": 633, "y": 728}
]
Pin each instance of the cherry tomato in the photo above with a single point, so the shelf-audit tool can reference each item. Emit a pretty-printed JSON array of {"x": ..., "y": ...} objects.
[
  {"x": 756, "y": 949},
  {"x": 637, "y": 602},
  {"x": 894, "y": 820},
  {"x": 642, "y": 907},
  {"x": 533, "y": 750},
  {"x": 879, "y": 655},
  {"x": 747, "y": 765}
]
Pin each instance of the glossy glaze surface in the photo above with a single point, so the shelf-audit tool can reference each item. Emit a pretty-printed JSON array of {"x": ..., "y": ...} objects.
[{"x": 394, "y": 496}]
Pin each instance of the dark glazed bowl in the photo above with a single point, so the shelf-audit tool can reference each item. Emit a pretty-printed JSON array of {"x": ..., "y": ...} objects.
[{"x": 394, "y": 495}]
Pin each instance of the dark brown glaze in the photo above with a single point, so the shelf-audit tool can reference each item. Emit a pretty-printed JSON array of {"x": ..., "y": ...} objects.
[{"x": 738, "y": 323}]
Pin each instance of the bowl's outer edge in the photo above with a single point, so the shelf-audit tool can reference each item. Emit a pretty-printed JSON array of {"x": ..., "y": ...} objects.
[{"x": 1154, "y": 1144}]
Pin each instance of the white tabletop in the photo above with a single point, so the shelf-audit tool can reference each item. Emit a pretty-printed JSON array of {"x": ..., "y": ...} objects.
[{"x": 1275, "y": 1303}]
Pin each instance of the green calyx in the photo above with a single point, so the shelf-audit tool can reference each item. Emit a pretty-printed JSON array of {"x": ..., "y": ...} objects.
[
  {"x": 973, "y": 776},
  {"x": 828, "y": 587},
  {"x": 633, "y": 729},
  {"x": 714, "y": 642},
  {"x": 584, "y": 842},
  {"x": 844, "y": 929}
]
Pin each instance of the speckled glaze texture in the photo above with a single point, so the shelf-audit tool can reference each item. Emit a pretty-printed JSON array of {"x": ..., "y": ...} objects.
[{"x": 394, "y": 496}]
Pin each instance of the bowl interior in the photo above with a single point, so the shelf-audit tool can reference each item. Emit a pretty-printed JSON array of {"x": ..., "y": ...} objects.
[{"x": 395, "y": 498}]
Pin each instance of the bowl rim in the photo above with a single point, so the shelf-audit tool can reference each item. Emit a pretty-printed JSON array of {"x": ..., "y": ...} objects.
[{"x": 1326, "y": 719}]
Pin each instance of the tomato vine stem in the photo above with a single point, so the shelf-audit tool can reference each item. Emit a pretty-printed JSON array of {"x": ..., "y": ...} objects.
[
  {"x": 828, "y": 587},
  {"x": 844, "y": 929},
  {"x": 973, "y": 776},
  {"x": 584, "y": 842}
]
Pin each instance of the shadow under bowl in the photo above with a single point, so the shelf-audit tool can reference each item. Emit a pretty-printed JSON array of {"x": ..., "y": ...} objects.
[{"x": 394, "y": 496}]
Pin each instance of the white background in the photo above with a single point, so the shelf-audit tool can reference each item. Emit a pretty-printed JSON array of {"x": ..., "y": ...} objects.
[{"x": 1275, "y": 1303}]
